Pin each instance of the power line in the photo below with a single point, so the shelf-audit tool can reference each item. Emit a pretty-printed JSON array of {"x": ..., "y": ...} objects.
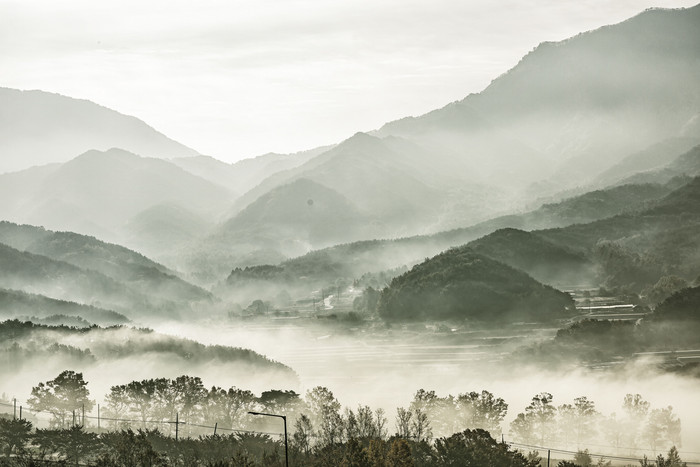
[{"x": 564, "y": 451}]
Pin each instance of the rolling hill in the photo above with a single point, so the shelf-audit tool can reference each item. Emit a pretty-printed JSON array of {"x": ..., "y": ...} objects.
[{"x": 459, "y": 284}]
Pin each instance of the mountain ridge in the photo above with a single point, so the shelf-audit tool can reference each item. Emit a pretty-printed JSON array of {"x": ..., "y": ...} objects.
[{"x": 70, "y": 126}]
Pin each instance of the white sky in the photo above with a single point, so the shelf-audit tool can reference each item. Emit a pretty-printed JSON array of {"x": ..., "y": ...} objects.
[{"x": 238, "y": 78}]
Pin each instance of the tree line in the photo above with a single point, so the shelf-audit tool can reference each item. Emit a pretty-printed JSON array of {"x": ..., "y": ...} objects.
[{"x": 430, "y": 428}]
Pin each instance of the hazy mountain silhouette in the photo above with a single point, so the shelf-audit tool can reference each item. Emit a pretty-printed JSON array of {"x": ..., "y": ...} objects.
[
  {"x": 287, "y": 221},
  {"x": 38, "y": 127},
  {"x": 98, "y": 193},
  {"x": 114, "y": 261},
  {"x": 541, "y": 259},
  {"x": 565, "y": 113},
  {"x": 20, "y": 305},
  {"x": 123, "y": 279},
  {"x": 245, "y": 174},
  {"x": 681, "y": 168},
  {"x": 396, "y": 183},
  {"x": 583, "y": 103},
  {"x": 354, "y": 259},
  {"x": 633, "y": 168}
]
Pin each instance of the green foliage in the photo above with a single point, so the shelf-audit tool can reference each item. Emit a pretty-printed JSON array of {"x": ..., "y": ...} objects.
[
  {"x": 399, "y": 454},
  {"x": 14, "y": 436},
  {"x": 367, "y": 301},
  {"x": 476, "y": 448},
  {"x": 460, "y": 284},
  {"x": 664, "y": 288},
  {"x": 683, "y": 305},
  {"x": 535, "y": 255},
  {"x": 61, "y": 396}
]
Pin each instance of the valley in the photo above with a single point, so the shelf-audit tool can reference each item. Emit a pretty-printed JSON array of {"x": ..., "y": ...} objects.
[{"x": 522, "y": 263}]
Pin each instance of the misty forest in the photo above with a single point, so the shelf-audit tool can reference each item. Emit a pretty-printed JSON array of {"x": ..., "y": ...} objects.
[{"x": 510, "y": 280}]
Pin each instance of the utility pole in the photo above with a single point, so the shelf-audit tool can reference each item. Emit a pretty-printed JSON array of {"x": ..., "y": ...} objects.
[
  {"x": 548, "y": 453},
  {"x": 83, "y": 423},
  {"x": 284, "y": 418},
  {"x": 14, "y": 411},
  {"x": 177, "y": 423},
  {"x": 215, "y": 425},
  {"x": 98, "y": 418}
]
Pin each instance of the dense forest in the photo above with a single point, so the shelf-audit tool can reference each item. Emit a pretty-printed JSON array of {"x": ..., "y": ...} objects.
[{"x": 462, "y": 285}]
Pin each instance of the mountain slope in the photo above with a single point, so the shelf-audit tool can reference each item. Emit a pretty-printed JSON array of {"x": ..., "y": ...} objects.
[
  {"x": 287, "y": 221},
  {"x": 462, "y": 285},
  {"x": 114, "y": 261},
  {"x": 68, "y": 127},
  {"x": 398, "y": 184},
  {"x": 681, "y": 168},
  {"x": 635, "y": 249},
  {"x": 583, "y": 103},
  {"x": 650, "y": 160},
  {"x": 38, "y": 274},
  {"x": 245, "y": 174},
  {"x": 21, "y": 305},
  {"x": 352, "y": 260},
  {"x": 98, "y": 193},
  {"x": 565, "y": 113},
  {"x": 543, "y": 260}
]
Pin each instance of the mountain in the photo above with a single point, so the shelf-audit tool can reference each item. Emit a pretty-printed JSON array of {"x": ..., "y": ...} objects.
[
  {"x": 99, "y": 193},
  {"x": 245, "y": 174},
  {"x": 114, "y": 261},
  {"x": 636, "y": 249},
  {"x": 162, "y": 229},
  {"x": 398, "y": 185},
  {"x": 681, "y": 168},
  {"x": 581, "y": 104},
  {"x": 543, "y": 260},
  {"x": 287, "y": 221},
  {"x": 633, "y": 168},
  {"x": 38, "y": 128},
  {"x": 76, "y": 268},
  {"x": 59, "y": 280},
  {"x": 459, "y": 284},
  {"x": 567, "y": 112},
  {"x": 19, "y": 305},
  {"x": 352, "y": 260}
]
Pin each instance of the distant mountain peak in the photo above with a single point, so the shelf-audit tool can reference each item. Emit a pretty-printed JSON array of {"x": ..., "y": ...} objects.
[{"x": 69, "y": 127}]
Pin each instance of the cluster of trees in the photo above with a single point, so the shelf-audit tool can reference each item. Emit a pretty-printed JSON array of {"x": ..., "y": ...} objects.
[
  {"x": 580, "y": 423},
  {"x": 433, "y": 427},
  {"x": 674, "y": 325},
  {"x": 127, "y": 448}
]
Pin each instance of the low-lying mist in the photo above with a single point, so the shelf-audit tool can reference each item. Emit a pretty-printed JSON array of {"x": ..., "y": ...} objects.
[{"x": 385, "y": 369}]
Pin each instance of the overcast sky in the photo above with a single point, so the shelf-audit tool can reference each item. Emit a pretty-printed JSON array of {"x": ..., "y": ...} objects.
[{"x": 239, "y": 78}]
